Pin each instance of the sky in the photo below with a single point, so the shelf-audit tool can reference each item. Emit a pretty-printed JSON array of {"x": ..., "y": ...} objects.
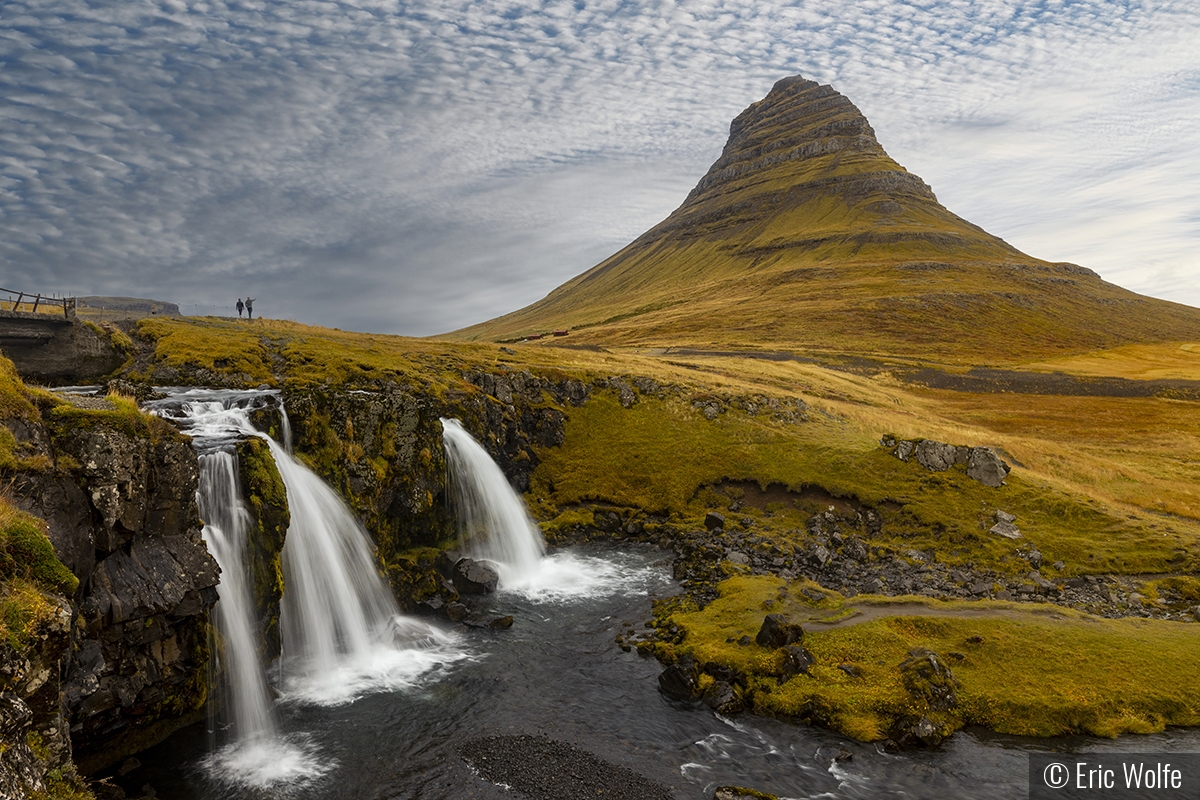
[{"x": 415, "y": 167}]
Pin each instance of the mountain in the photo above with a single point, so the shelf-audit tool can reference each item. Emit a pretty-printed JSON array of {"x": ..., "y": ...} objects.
[{"x": 806, "y": 235}]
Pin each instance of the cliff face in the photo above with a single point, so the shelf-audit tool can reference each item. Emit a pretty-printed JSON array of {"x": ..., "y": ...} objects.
[
  {"x": 382, "y": 448},
  {"x": 33, "y": 728},
  {"x": 120, "y": 504}
]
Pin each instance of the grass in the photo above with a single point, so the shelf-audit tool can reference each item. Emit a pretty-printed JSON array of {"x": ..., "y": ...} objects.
[
  {"x": 659, "y": 456},
  {"x": 1022, "y": 670},
  {"x": 797, "y": 256},
  {"x": 1104, "y": 484}
]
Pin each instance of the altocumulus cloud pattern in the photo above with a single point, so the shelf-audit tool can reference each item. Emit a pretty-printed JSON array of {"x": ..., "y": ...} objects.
[{"x": 413, "y": 167}]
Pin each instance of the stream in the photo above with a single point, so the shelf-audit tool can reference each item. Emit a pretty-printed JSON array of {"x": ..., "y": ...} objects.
[
  {"x": 558, "y": 672},
  {"x": 387, "y": 720}
]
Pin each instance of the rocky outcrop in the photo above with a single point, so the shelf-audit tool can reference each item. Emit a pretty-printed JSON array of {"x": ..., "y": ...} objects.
[
  {"x": 981, "y": 463},
  {"x": 122, "y": 517},
  {"x": 33, "y": 730},
  {"x": 56, "y": 349},
  {"x": 381, "y": 446}
]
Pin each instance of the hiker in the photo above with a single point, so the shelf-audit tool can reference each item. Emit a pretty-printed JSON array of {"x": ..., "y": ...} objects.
[
  {"x": 249, "y": 307},
  {"x": 239, "y": 307}
]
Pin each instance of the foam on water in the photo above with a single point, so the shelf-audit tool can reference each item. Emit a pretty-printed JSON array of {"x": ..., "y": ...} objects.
[
  {"x": 569, "y": 577},
  {"x": 287, "y": 766}
]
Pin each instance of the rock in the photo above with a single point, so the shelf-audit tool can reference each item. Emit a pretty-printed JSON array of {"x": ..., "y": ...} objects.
[
  {"x": 713, "y": 520},
  {"x": 494, "y": 623},
  {"x": 624, "y": 391},
  {"x": 918, "y": 731},
  {"x": 851, "y": 670},
  {"x": 1034, "y": 557},
  {"x": 832, "y": 754},
  {"x": 475, "y": 577},
  {"x": 981, "y": 588},
  {"x": 935, "y": 456},
  {"x": 740, "y": 793},
  {"x": 796, "y": 660},
  {"x": 855, "y": 550},
  {"x": 722, "y": 698},
  {"x": 776, "y": 632},
  {"x": 904, "y": 450},
  {"x": 1004, "y": 516},
  {"x": 457, "y": 612},
  {"x": 679, "y": 680},
  {"x": 1059, "y": 565},
  {"x": 819, "y": 555},
  {"x": 1196, "y": 613},
  {"x": 1006, "y": 529},
  {"x": 738, "y": 557},
  {"x": 927, "y": 677},
  {"x": 986, "y": 467}
]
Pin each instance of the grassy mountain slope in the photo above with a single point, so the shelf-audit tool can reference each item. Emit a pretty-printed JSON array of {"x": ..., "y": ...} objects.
[{"x": 806, "y": 235}]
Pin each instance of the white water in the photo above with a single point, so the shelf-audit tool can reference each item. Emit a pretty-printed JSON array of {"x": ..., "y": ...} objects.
[
  {"x": 226, "y": 527},
  {"x": 342, "y": 634},
  {"x": 495, "y": 526}
]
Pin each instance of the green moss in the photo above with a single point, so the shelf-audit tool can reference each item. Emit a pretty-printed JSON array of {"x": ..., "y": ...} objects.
[
  {"x": 24, "y": 607},
  {"x": 267, "y": 499},
  {"x": 66, "y": 420},
  {"x": 26, "y": 552},
  {"x": 1028, "y": 670}
]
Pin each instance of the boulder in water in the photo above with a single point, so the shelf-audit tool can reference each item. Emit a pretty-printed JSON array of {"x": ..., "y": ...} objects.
[
  {"x": 722, "y": 698},
  {"x": 475, "y": 577},
  {"x": 495, "y": 623},
  {"x": 740, "y": 793},
  {"x": 680, "y": 679}
]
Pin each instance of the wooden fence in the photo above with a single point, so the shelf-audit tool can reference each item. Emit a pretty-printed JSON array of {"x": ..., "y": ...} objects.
[{"x": 67, "y": 303}]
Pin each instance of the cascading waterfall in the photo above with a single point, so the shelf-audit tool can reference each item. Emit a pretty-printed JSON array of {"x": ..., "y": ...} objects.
[
  {"x": 342, "y": 633},
  {"x": 492, "y": 521},
  {"x": 494, "y": 525},
  {"x": 226, "y": 529}
]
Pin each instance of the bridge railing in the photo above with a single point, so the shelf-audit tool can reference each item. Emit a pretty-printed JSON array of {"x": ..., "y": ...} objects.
[{"x": 66, "y": 303}]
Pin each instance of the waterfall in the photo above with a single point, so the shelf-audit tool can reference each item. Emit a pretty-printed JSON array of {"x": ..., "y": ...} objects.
[
  {"x": 342, "y": 633},
  {"x": 494, "y": 525},
  {"x": 226, "y": 526},
  {"x": 492, "y": 521}
]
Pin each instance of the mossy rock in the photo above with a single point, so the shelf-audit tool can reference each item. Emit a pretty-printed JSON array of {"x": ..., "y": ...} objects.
[
  {"x": 26, "y": 552},
  {"x": 266, "y": 499}
]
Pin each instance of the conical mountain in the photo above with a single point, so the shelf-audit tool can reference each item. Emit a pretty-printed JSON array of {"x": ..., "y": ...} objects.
[{"x": 806, "y": 235}]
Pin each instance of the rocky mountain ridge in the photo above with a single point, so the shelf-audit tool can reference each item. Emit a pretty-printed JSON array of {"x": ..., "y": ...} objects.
[{"x": 805, "y": 235}]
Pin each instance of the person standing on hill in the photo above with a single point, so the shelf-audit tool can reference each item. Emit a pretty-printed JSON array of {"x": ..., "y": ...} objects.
[
  {"x": 239, "y": 308},
  {"x": 249, "y": 307}
]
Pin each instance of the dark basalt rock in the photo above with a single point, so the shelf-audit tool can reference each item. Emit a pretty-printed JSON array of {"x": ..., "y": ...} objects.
[
  {"x": 722, "y": 698},
  {"x": 124, "y": 521},
  {"x": 796, "y": 660},
  {"x": 777, "y": 632},
  {"x": 475, "y": 577},
  {"x": 713, "y": 520},
  {"x": 986, "y": 467},
  {"x": 679, "y": 680}
]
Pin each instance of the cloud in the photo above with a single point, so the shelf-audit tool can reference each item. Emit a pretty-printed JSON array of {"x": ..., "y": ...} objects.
[{"x": 414, "y": 167}]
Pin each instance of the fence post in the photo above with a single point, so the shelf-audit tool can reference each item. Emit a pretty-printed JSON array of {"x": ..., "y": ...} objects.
[{"x": 20, "y": 297}]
